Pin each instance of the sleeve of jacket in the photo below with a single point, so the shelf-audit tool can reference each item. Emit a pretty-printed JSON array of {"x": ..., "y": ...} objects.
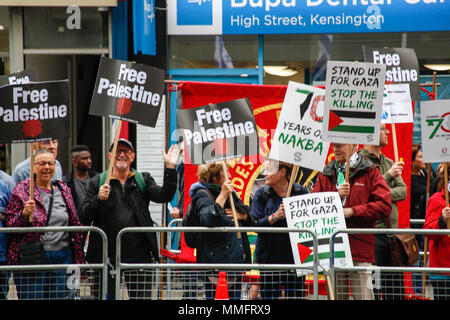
[
  {"x": 379, "y": 205},
  {"x": 399, "y": 190},
  {"x": 210, "y": 214},
  {"x": 92, "y": 204},
  {"x": 257, "y": 210},
  {"x": 14, "y": 209},
  {"x": 164, "y": 193},
  {"x": 433, "y": 218},
  {"x": 318, "y": 184}
]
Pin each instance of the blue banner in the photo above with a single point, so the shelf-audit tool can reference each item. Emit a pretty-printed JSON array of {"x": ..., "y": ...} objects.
[
  {"x": 312, "y": 16},
  {"x": 144, "y": 27}
]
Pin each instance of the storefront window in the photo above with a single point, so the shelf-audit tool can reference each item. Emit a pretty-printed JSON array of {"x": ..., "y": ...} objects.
[
  {"x": 302, "y": 58},
  {"x": 210, "y": 52},
  {"x": 54, "y": 27}
]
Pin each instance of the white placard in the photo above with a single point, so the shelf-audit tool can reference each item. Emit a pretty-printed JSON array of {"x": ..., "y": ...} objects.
[
  {"x": 435, "y": 121},
  {"x": 321, "y": 213},
  {"x": 353, "y": 102},
  {"x": 298, "y": 136},
  {"x": 397, "y": 104}
]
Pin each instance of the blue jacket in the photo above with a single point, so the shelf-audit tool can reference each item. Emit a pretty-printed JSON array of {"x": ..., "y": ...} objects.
[
  {"x": 219, "y": 247},
  {"x": 272, "y": 247},
  {"x": 5, "y": 193}
]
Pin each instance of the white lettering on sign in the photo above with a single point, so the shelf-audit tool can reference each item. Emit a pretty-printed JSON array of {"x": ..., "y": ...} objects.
[{"x": 266, "y": 4}]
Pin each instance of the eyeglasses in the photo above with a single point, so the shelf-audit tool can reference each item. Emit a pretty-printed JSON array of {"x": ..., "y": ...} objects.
[
  {"x": 126, "y": 152},
  {"x": 44, "y": 163}
]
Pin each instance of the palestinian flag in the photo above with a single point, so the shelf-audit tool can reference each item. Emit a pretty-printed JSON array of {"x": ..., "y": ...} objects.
[
  {"x": 305, "y": 250},
  {"x": 351, "y": 121}
]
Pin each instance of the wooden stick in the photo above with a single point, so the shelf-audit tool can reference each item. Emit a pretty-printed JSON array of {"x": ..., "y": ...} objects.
[
  {"x": 292, "y": 180},
  {"x": 30, "y": 217},
  {"x": 233, "y": 208},
  {"x": 113, "y": 152},
  {"x": 425, "y": 240},
  {"x": 394, "y": 140},
  {"x": 330, "y": 287}
]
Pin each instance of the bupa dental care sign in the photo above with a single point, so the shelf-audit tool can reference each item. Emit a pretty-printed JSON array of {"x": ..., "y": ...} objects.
[{"x": 305, "y": 16}]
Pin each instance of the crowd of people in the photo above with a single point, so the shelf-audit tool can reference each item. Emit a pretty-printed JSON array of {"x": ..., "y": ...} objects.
[{"x": 83, "y": 198}]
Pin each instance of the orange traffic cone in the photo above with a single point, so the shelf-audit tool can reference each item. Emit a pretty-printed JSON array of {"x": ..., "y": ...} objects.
[{"x": 222, "y": 287}]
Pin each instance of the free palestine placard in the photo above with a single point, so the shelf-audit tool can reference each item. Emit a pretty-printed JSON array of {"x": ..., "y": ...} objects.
[
  {"x": 128, "y": 91},
  {"x": 34, "y": 112},
  {"x": 219, "y": 131}
]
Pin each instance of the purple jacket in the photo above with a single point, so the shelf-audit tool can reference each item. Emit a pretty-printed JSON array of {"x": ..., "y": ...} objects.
[{"x": 14, "y": 218}]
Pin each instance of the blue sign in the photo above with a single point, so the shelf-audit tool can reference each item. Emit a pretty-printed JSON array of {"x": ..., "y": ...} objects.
[
  {"x": 144, "y": 27},
  {"x": 194, "y": 12},
  {"x": 312, "y": 16}
]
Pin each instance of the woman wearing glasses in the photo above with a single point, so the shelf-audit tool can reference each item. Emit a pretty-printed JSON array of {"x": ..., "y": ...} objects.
[{"x": 52, "y": 205}]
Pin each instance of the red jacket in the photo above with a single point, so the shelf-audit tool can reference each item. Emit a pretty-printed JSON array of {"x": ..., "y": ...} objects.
[
  {"x": 439, "y": 243},
  {"x": 370, "y": 198}
]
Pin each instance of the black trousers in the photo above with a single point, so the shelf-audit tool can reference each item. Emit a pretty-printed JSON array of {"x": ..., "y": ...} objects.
[{"x": 391, "y": 284}]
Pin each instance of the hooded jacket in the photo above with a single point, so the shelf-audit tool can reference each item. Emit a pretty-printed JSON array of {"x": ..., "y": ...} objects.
[
  {"x": 370, "y": 199},
  {"x": 397, "y": 185},
  {"x": 219, "y": 247}
]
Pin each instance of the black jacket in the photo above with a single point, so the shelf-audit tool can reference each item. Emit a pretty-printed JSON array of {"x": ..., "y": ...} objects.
[
  {"x": 219, "y": 247},
  {"x": 98, "y": 213},
  {"x": 68, "y": 179},
  {"x": 272, "y": 247}
]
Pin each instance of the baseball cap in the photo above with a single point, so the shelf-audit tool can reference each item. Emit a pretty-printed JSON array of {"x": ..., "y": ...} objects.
[{"x": 125, "y": 141}]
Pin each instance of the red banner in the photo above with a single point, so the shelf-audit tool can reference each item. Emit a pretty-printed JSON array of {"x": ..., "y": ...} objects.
[{"x": 266, "y": 102}]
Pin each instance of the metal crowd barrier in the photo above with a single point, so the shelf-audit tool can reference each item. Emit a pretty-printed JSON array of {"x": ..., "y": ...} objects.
[
  {"x": 387, "y": 282},
  {"x": 70, "y": 281},
  {"x": 173, "y": 281}
]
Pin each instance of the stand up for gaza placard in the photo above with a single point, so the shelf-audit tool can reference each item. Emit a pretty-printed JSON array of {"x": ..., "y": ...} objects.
[
  {"x": 322, "y": 214},
  {"x": 298, "y": 136},
  {"x": 219, "y": 132},
  {"x": 34, "y": 112},
  {"x": 353, "y": 103},
  {"x": 127, "y": 91},
  {"x": 435, "y": 121}
]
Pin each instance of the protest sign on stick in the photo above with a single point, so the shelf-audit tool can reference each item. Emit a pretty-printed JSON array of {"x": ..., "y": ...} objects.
[
  {"x": 22, "y": 77},
  {"x": 353, "y": 102},
  {"x": 298, "y": 136},
  {"x": 322, "y": 214},
  {"x": 397, "y": 108},
  {"x": 402, "y": 66},
  {"x": 219, "y": 132},
  {"x": 34, "y": 112},
  {"x": 435, "y": 123},
  {"x": 127, "y": 91}
]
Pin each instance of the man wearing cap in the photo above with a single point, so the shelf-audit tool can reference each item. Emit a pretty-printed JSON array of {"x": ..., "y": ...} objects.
[
  {"x": 78, "y": 179},
  {"x": 122, "y": 203}
]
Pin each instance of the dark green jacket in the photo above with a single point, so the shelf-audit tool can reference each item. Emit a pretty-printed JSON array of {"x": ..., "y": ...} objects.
[{"x": 397, "y": 185}]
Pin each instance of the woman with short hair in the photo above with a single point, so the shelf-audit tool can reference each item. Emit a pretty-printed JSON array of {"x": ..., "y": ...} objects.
[{"x": 52, "y": 205}]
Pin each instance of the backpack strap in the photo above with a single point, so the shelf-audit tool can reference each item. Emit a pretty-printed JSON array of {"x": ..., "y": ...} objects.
[{"x": 137, "y": 176}]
